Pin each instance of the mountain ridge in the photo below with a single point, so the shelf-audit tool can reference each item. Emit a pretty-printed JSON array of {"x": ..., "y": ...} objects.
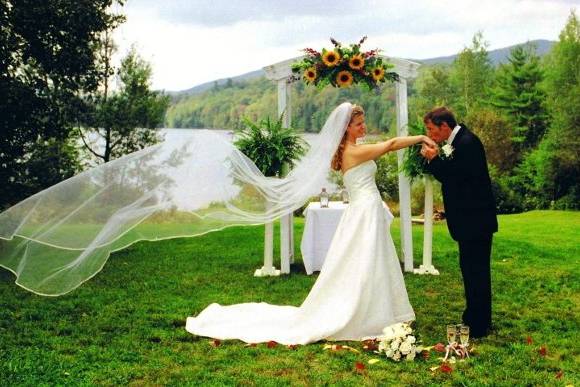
[{"x": 497, "y": 56}]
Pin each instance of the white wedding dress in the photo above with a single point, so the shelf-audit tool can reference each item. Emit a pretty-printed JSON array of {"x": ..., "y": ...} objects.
[{"x": 359, "y": 291}]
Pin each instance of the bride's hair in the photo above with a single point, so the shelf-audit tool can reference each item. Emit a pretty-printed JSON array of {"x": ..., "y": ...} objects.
[{"x": 337, "y": 159}]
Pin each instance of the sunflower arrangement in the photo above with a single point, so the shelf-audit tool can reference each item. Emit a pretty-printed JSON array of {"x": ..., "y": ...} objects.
[{"x": 343, "y": 66}]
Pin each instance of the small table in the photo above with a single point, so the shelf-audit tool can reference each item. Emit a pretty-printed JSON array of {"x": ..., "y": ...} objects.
[{"x": 319, "y": 227}]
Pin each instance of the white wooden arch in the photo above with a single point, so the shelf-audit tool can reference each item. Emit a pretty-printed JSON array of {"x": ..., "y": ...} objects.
[{"x": 280, "y": 73}]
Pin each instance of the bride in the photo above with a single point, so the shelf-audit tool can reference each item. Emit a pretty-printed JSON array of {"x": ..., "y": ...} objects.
[
  {"x": 360, "y": 289},
  {"x": 61, "y": 237}
]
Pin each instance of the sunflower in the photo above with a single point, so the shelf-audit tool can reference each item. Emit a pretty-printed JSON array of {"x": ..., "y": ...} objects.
[
  {"x": 310, "y": 74},
  {"x": 331, "y": 58},
  {"x": 378, "y": 73},
  {"x": 344, "y": 78},
  {"x": 357, "y": 62}
]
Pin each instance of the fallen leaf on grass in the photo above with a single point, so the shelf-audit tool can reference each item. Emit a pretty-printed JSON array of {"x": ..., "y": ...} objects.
[
  {"x": 373, "y": 361},
  {"x": 446, "y": 368},
  {"x": 359, "y": 366},
  {"x": 559, "y": 374},
  {"x": 338, "y": 347},
  {"x": 370, "y": 345},
  {"x": 215, "y": 343},
  {"x": 292, "y": 346},
  {"x": 529, "y": 340},
  {"x": 543, "y": 351},
  {"x": 351, "y": 349},
  {"x": 439, "y": 347}
]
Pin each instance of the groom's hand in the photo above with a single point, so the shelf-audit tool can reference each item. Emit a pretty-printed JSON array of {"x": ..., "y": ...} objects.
[{"x": 429, "y": 152}]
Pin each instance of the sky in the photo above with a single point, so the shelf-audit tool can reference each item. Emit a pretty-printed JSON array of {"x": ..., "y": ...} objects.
[{"x": 192, "y": 42}]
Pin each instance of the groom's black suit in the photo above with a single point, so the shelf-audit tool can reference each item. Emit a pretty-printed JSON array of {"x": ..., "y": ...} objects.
[{"x": 471, "y": 220}]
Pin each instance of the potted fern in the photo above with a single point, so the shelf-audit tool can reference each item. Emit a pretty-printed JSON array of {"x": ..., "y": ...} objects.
[{"x": 273, "y": 148}]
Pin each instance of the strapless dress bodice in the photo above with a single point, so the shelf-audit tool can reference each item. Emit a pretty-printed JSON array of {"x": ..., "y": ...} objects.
[{"x": 360, "y": 183}]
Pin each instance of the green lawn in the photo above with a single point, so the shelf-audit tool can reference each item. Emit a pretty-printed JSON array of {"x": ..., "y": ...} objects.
[{"x": 126, "y": 325}]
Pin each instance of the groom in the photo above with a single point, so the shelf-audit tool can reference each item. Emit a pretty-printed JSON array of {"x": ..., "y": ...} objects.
[{"x": 461, "y": 167}]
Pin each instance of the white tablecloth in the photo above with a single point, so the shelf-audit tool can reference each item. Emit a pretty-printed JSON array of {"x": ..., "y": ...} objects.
[{"x": 319, "y": 227}]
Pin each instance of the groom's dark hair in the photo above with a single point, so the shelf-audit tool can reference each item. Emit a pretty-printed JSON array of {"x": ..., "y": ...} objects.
[{"x": 440, "y": 115}]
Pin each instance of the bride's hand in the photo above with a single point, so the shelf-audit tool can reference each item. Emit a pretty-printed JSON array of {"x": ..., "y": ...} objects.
[{"x": 428, "y": 142}]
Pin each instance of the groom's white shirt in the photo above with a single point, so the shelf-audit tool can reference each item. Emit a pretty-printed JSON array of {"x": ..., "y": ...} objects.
[{"x": 453, "y": 134}]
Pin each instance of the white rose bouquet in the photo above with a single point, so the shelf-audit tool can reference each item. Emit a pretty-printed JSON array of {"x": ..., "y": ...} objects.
[{"x": 398, "y": 342}]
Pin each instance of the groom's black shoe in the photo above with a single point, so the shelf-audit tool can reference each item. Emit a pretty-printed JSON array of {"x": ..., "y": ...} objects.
[{"x": 479, "y": 333}]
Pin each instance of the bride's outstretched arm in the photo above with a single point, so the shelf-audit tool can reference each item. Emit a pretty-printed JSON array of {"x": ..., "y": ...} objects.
[
  {"x": 397, "y": 143},
  {"x": 373, "y": 151}
]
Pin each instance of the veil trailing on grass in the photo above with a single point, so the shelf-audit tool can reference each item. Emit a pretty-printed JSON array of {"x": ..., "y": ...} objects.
[{"x": 59, "y": 238}]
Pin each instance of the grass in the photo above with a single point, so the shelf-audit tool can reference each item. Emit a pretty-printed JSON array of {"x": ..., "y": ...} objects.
[{"x": 126, "y": 325}]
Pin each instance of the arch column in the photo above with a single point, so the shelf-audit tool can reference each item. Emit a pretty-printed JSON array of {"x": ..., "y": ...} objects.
[
  {"x": 404, "y": 181},
  {"x": 280, "y": 73},
  {"x": 286, "y": 221},
  {"x": 427, "y": 266}
]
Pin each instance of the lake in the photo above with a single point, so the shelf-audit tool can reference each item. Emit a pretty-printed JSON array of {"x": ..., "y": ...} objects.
[{"x": 171, "y": 134}]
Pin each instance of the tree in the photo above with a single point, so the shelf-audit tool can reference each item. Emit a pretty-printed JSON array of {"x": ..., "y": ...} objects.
[
  {"x": 496, "y": 135},
  {"x": 471, "y": 75},
  {"x": 125, "y": 120},
  {"x": 47, "y": 62},
  {"x": 518, "y": 95},
  {"x": 563, "y": 138},
  {"x": 434, "y": 88}
]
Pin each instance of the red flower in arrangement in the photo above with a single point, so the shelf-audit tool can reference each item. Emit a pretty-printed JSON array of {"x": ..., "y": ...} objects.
[
  {"x": 559, "y": 374},
  {"x": 439, "y": 347},
  {"x": 272, "y": 344},
  {"x": 311, "y": 52},
  {"x": 543, "y": 351},
  {"x": 215, "y": 343},
  {"x": 446, "y": 368},
  {"x": 371, "y": 53},
  {"x": 529, "y": 340},
  {"x": 360, "y": 367}
]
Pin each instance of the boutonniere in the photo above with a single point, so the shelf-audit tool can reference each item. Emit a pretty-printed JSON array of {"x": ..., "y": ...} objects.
[{"x": 447, "y": 150}]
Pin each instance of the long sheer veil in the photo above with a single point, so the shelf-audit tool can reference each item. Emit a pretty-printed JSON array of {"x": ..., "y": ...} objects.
[{"x": 59, "y": 238}]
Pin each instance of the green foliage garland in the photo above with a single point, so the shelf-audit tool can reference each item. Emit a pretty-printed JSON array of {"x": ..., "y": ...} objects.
[{"x": 413, "y": 163}]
